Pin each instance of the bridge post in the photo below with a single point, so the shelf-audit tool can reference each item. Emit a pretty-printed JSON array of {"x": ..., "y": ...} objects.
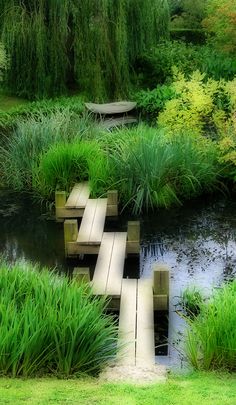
[
  {"x": 133, "y": 237},
  {"x": 112, "y": 203},
  {"x": 161, "y": 276},
  {"x": 81, "y": 275},
  {"x": 70, "y": 233},
  {"x": 60, "y": 201}
]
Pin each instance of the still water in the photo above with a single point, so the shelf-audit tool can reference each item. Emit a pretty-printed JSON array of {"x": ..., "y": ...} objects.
[{"x": 197, "y": 241}]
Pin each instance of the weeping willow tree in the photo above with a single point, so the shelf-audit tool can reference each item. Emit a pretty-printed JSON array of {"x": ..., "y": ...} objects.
[{"x": 90, "y": 45}]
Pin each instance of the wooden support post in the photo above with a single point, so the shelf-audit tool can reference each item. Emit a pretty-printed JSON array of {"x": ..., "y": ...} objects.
[
  {"x": 161, "y": 275},
  {"x": 60, "y": 201},
  {"x": 133, "y": 239},
  {"x": 112, "y": 203},
  {"x": 70, "y": 232},
  {"x": 81, "y": 274}
]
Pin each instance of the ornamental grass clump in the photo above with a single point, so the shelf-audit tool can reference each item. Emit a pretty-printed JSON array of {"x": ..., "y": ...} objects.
[
  {"x": 51, "y": 325},
  {"x": 211, "y": 337},
  {"x": 63, "y": 165},
  {"x": 21, "y": 152},
  {"x": 153, "y": 170}
]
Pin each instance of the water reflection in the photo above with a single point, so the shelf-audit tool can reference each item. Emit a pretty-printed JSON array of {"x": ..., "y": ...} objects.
[{"x": 198, "y": 242}]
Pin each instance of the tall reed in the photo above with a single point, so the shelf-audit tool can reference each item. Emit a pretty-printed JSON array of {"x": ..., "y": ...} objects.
[
  {"x": 51, "y": 325},
  {"x": 152, "y": 170},
  {"x": 211, "y": 337},
  {"x": 65, "y": 164},
  {"x": 21, "y": 152}
]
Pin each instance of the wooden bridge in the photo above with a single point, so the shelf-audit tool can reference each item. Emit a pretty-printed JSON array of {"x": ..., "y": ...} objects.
[{"x": 136, "y": 299}]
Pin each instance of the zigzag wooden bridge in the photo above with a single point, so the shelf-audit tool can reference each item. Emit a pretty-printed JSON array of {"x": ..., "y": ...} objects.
[{"x": 136, "y": 299}]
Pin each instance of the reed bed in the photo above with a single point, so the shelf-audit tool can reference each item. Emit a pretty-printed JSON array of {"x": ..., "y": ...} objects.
[
  {"x": 211, "y": 337},
  {"x": 21, "y": 152},
  {"x": 51, "y": 325},
  {"x": 65, "y": 164},
  {"x": 152, "y": 170}
]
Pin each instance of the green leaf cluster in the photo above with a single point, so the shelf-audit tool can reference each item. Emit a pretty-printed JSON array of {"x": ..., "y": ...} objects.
[
  {"x": 200, "y": 106},
  {"x": 49, "y": 325}
]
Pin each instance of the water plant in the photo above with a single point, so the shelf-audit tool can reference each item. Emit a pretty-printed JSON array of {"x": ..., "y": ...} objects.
[
  {"x": 20, "y": 153},
  {"x": 154, "y": 170},
  {"x": 191, "y": 299},
  {"x": 211, "y": 337},
  {"x": 51, "y": 325},
  {"x": 65, "y": 164}
]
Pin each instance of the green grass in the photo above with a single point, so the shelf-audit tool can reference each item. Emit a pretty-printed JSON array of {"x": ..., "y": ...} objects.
[
  {"x": 21, "y": 152},
  {"x": 14, "y": 109},
  {"x": 211, "y": 338},
  {"x": 152, "y": 170},
  {"x": 195, "y": 389},
  {"x": 49, "y": 325},
  {"x": 10, "y": 102},
  {"x": 191, "y": 299},
  {"x": 65, "y": 164}
]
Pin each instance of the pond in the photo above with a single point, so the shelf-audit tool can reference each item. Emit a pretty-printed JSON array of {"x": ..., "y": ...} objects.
[{"x": 197, "y": 241}]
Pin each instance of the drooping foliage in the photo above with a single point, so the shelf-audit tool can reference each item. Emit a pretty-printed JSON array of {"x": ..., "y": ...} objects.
[
  {"x": 89, "y": 44},
  {"x": 3, "y": 60}
]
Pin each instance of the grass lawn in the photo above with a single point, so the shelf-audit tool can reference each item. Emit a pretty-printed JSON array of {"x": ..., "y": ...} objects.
[
  {"x": 9, "y": 102},
  {"x": 197, "y": 388}
]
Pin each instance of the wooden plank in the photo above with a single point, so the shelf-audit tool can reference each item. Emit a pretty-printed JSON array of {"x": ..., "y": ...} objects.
[
  {"x": 84, "y": 196},
  {"x": 117, "y": 265},
  {"x": 127, "y": 322},
  {"x": 92, "y": 224},
  {"x": 79, "y": 196},
  {"x": 98, "y": 222},
  {"x": 112, "y": 211},
  {"x": 87, "y": 221},
  {"x": 75, "y": 193},
  {"x": 74, "y": 249},
  {"x": 69, "y": 213},
  {"x": 145, "y": 349},
  {"x": 101, "y": 272}
]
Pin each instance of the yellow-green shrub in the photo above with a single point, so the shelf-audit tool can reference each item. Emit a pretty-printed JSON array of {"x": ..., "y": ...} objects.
[
  {"x": 227, "y": 148},
  {"x": 200, "y": 105}
]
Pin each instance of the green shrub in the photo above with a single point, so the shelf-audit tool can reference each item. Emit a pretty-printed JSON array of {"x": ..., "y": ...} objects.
[
  {"x": 189, "y": 35},
  {"x": 51, "y": 325},
  {"x": 156, "y": 66},
  {"x": 201, "y": 106},
  {"x": 65, "y": 164},
  {"x": 220, "y": 23},
  {"x": 215, "y": 63},
  {"x": 152, "y": 170},
  {"x": 211, "y": 337},
  {"x": 227, "y": 149},
  {"x": 153, "y": 101}
]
